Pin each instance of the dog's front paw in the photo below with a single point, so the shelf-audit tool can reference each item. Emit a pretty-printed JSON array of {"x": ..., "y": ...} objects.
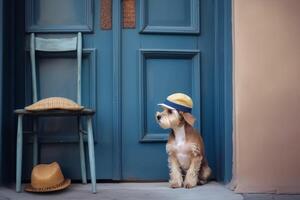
[
  {"x": 190, "y": 182},
  {"x": 175, "y": 184},
  {"x": 189, "y": 185}
]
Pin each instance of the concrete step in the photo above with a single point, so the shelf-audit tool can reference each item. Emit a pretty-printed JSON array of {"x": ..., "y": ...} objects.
[{"x": 129, "y": 191}]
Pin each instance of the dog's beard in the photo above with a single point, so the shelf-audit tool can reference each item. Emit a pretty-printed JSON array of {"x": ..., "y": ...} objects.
[
  {"x": 169, "y": 120},
  {"x": 164, "y": 123}
]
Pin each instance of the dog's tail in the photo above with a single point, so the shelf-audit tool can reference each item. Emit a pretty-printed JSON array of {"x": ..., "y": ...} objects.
[{"x": 205, "y": 172}]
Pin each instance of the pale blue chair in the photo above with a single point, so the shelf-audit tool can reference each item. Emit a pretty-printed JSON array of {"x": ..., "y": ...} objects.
[{"x": 56, "y": 45}]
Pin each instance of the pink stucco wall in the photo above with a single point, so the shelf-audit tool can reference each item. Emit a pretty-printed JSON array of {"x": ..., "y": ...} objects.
[{"x": 267, "y": 95}]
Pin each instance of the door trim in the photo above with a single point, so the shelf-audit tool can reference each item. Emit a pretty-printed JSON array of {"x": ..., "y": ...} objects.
[
  {"x": 117, "y": 89},
  {"x": 1, "y": 68},
  {"x": 223, "y": 89}
]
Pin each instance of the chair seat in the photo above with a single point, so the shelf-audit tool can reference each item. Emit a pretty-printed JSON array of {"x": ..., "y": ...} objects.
[{"x": 83, "y": 112}]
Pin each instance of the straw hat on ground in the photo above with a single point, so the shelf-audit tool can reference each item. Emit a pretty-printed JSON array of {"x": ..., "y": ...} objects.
[{"x": 47, "y": 178}]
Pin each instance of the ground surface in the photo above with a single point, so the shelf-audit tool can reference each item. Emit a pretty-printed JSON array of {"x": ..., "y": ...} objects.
[
  {"x": 141, "y": 191},
  {"x": 270, "y": 197},
  {"x": 128, "y": 191}
]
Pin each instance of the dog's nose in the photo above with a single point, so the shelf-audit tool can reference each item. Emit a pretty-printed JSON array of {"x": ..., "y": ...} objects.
[{"x": 158, "y": 117}]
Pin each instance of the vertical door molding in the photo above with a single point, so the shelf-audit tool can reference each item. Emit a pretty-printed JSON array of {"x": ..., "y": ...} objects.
[
  {"x": 1, "y": 69},
  {"x": 223, "y": 89},
  {"x": 117, "y": 91}
]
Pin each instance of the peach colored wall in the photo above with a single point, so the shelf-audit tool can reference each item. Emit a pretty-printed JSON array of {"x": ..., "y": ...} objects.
[{"x": 267, "y": 95}]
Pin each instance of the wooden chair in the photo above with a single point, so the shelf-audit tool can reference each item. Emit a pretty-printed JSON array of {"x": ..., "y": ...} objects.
[{"x": 56, "y": 45}]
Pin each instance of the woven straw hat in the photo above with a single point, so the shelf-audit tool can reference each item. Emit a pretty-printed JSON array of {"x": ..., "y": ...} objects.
[
  {"x": 178, "y": 101},
  {"x": 47, "y": 178},
  {"x": 54, "y": 103}
]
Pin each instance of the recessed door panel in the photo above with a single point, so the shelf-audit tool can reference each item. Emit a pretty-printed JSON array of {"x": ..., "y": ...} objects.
[
  {"x": 170, "y": 16},
  {"x": 164, "y": 72}
]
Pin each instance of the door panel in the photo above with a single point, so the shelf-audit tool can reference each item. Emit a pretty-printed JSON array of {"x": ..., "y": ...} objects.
[
  {"x": 169, "y": 16},
  {"x": 161, "y": 58},
  {"x": 162, "y": 72}
]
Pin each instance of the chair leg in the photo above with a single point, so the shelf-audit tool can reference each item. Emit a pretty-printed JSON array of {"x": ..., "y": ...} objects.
[
  {"x": 91, "y": 153},
  {"x": 82, "y": 154},
  {"x": 35, "y": 142},
  {"x": 19, "y": 153}
]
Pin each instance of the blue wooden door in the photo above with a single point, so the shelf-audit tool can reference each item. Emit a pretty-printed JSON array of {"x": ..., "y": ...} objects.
[
  {"x": 126, "y": 72},
  {"x": 169, "y": 51}
]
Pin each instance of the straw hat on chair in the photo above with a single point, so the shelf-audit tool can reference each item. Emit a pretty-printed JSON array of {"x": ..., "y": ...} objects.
[{"x": 47, "y": 178}]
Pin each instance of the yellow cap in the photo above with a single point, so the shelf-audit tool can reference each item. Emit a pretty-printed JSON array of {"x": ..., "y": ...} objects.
[{"x": 178, "y": 101}]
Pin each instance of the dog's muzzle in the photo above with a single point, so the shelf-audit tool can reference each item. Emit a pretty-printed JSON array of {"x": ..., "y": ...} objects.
[{"x": 158, "y": 117}]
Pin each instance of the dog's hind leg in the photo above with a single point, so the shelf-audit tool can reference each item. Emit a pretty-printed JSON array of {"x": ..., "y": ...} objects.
[{"x": 204, "y": 173}]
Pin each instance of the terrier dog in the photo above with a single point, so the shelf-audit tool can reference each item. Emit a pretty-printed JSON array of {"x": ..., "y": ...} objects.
[{"x": 185, "y": 148}]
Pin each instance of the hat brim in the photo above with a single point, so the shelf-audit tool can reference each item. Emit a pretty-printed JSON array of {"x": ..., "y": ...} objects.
[
  {"x": 166, "y": 106},
  {"x": 66, "y": 183}
]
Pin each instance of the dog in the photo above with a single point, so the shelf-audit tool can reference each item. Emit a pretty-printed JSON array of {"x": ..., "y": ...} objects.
[{"x": 185, "y": 148}]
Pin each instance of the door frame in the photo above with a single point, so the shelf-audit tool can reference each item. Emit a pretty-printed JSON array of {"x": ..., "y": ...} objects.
[
  {"x": 223, "y": 89},
  {"x": 1, "y": 74}
]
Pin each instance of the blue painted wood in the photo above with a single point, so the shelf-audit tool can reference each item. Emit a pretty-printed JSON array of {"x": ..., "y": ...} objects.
[
  {"x": 1, "y": 84},
  {"x": 85, "y": 112},
  {"x": 150, "y": 83},
  {"x": 165, "y": 21},
  {"x": 19, "y": 153},
  {"x": 137, "y": 109},
  {"x": 55, "y": 74},
  {"x": 117, "y": 90},
  {"x": 166, "y": 71},
  {"x": 81, "y": 151},
  {"x": 70, "y": 16},
  {"x": 54, "y": 45},
  {"x": 51, "y": 142},
  {"x": 79, "y": 63},
  {"x": 33, "y": 68},
  {"x": 59, "y": 45},
  {"x": 97, "y": 93},
  {"x": 91, "y": 152},
  {"x": 35, "y": 142},
  {"x": 224, "y": 35},
  {"x": 228, "y": 91}
]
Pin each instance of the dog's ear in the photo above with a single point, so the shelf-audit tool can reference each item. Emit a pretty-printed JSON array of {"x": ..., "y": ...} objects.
[{"x": 189, "y": 118}]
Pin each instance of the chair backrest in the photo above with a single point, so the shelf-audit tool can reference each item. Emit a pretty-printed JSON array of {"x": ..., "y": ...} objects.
[{"x": 55, "y": 45}]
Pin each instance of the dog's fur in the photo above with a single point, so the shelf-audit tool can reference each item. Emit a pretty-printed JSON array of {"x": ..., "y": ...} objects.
[{"x": 187, "y": 162}]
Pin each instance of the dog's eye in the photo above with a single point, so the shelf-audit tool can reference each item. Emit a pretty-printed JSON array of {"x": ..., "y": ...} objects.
[{"x": 170, "y": 111}]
